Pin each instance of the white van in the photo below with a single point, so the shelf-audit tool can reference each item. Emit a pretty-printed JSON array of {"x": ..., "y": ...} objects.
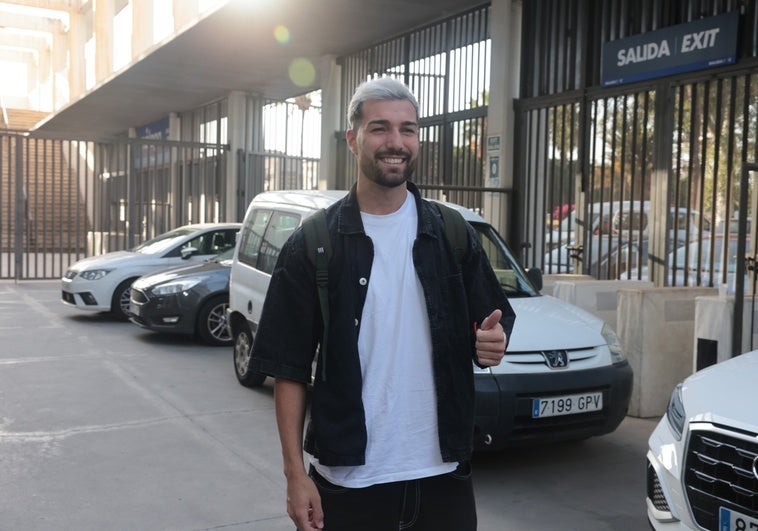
[{"x": 564, "y": 376}]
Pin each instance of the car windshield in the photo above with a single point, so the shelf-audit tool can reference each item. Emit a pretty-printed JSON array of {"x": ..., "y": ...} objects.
[
  {"x": 511, "y": 276},
  {"x": 689, "y": 256},
  {"x": 163, "y": 242}
]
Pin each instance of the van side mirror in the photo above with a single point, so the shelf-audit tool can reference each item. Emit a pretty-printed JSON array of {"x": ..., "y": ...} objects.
[{"x": 534, "y": 274}]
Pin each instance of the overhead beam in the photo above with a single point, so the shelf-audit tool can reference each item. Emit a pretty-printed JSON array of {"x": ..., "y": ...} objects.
[{"x": 54, "y": 5}]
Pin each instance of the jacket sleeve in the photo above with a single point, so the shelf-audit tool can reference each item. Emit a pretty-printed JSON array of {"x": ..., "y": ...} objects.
[
  {"x": 286, "y": 338},
  {"x": 483, "y": 288}
]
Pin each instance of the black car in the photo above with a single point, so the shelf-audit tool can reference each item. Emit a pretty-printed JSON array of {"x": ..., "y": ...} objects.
[{"x": 188, "y": 299}]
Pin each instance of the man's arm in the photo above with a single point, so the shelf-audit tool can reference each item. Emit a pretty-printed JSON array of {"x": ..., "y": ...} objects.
[{"x": 303, "y": 500}]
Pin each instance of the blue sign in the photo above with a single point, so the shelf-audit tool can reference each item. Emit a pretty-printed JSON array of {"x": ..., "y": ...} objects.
[
  {"x": 148, "y": 155},
  {"x": 705, "y": 43},
  {"x": 158, "y": 130}
]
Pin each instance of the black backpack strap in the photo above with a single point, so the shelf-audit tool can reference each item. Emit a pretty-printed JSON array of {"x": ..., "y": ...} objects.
[
  {"x": 456, "y": 232},
  {"x": 318, "y": 246}
]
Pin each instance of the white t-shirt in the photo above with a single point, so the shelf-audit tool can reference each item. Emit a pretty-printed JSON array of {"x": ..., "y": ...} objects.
[{"x": 395, "y": 349}]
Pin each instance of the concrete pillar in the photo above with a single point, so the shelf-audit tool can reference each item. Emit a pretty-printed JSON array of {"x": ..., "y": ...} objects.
[
  {"x": 142, "y": 26},
  {"x": 61, "y": 88},
  {"x": 77, "y": 61},
  {"x": 505, "y": 32},
  {"x": 103, "y": 16},
  {"x": 185, "y": 13},
  {"x": 331, "y": 75},
  {"x": 236, "y": 129}
]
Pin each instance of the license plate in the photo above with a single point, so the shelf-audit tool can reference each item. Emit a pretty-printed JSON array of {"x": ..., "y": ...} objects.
[
  {"x": 730, "y": 520},
  {"x": 566, "y": 405}
]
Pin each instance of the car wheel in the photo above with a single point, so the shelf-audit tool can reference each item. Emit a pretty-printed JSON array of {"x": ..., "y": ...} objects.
[
  {"x": 120, "y": 299},
  {"x": 212, "y": 325},
  {"x": 243, "y": 343}
]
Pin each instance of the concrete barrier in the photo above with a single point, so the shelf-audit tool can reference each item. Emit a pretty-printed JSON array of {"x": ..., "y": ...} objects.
[
  {"x": 656, "y": 327},
  {"x": 548, "y": 281},
  {"x": 714, "y": 320},
  {"x": 599, "y": 297}
]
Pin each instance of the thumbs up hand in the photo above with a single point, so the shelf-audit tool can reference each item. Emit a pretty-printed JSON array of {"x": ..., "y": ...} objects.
[{"x": 490, "y": 340}]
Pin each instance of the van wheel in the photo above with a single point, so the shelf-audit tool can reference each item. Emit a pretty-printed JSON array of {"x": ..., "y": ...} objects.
[
  {"x": 243, "y": 343},
  {"x": 212, "y": 325},
  {"x": 121, "y": 299}
]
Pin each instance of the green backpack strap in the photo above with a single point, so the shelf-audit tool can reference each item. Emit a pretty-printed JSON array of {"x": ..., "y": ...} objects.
[
  {"x": 318, "y": 246},
  {"x": 456, "y": 232}
]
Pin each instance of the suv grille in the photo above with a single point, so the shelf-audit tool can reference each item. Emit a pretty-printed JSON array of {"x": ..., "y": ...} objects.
[
  {"x": 719, "y": 472},
  {"x": 655, "y": 491}
]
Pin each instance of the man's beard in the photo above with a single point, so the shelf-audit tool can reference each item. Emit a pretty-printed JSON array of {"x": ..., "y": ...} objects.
[{"x": 390, "y": 179}]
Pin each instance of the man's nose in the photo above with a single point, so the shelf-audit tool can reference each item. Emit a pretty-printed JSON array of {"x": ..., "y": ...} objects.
[{"x": 394, "y": 139}]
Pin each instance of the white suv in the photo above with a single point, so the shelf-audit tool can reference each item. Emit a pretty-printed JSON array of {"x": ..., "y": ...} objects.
[
  {"x": 563, "y": 377},
  {"x": 702, "y": 461}
]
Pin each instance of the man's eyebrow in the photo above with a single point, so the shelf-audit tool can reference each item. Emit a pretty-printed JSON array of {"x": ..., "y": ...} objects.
[{"x": 387, "y": 122}]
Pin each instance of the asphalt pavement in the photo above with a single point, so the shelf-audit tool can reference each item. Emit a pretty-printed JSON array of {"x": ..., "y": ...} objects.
[{"x": 105, "y": 426}]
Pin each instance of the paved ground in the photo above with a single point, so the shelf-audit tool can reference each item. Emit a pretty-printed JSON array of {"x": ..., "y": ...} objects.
[{"x": 106, "y": 426}]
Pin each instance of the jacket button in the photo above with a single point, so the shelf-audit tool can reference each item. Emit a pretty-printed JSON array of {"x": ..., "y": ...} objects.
[
  {"x": 356, "y": 322},
  {"x": 363, "y": 281}
]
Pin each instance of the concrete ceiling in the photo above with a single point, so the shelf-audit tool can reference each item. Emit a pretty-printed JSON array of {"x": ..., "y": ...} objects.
[{"x": 234, "y": 49}]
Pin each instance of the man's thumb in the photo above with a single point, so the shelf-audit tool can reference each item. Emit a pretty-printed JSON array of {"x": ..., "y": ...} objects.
[{"x": 491, "y": 320}]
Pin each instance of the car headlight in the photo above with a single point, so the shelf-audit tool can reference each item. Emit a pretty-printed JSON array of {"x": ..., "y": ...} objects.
[
  {"x": 175, "y": 286},
  {"x": 675, "y": 412},
  {"x": 94, "y": 274},
  {"x": 617, "y": 356}
]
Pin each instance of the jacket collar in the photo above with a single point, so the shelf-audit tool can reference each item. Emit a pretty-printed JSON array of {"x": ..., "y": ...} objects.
[{"x": 349, "y": 215}]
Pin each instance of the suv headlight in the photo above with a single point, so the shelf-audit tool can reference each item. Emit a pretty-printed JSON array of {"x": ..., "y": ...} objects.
[
  {"x": 175, "y": 286},
  {"x": 94, "y": 274},
  {"x": 675, "y": 412},
  {"x": 617, "y": 356}
]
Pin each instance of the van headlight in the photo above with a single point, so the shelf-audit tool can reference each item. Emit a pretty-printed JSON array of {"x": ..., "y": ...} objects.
[
  {"x": 617, "y": 356},
  {"x": 675, "y": 412},
  {"x": 481, "y": 370}
]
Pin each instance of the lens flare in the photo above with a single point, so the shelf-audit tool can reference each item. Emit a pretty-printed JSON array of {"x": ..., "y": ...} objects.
[
  {"x": 282, "y": 34},
  {"x": 302, "y": 72}
]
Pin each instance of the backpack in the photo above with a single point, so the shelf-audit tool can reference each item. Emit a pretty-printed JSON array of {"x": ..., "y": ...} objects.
[{"x": 318, "y": 247}]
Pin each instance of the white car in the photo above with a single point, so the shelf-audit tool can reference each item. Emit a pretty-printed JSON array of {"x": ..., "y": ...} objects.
[
  {"x": 702, "y": 462},
  {"x": 564, "y": 376},
  {"x": 102, "y": 283}
]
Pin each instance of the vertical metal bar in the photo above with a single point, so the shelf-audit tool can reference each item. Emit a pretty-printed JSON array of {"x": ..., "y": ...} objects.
[
  {"x": 729, "y": 172},
  {"x": 18, "y": 227},
  {"x": 739, "y": 281}
]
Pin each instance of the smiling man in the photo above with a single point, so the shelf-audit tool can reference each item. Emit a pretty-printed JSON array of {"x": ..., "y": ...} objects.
[{"x": 391, "y": 428}]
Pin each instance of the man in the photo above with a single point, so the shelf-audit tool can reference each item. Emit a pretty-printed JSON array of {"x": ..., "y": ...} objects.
[{"x": 391, "y": 428}]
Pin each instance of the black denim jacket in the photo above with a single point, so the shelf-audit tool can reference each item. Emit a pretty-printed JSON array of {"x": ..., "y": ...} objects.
[{"x": 290, "y": 329}]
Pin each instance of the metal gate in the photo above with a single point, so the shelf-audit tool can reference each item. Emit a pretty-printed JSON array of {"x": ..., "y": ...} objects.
[
  {"x": 446, "y": 65},
  {"x": 62, "y": 200},
  {"x": 639, "y": 181}
]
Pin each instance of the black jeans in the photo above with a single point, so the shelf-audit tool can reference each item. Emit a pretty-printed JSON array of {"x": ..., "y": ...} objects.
[{"x": 436, "y": 503}]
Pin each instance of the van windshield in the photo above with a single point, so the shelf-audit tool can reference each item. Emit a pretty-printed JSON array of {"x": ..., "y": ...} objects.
[{"x": 512, "y": 277}]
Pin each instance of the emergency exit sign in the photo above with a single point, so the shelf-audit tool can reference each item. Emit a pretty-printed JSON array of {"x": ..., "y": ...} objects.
[{"x": 704, "y": 43}]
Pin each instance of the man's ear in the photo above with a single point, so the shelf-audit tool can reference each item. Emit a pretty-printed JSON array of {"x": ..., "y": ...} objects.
[{"x": 351, "y": 136}]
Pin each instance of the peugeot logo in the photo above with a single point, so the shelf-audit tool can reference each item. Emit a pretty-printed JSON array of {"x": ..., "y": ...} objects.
[
  {"x": 557, "y": 359},
  {"x": 755, "y": 466}
]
